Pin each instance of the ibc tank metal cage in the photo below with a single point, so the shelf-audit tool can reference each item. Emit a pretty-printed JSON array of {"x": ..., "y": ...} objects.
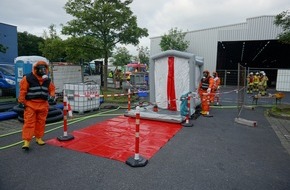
[{"x": 82, "y": 97}]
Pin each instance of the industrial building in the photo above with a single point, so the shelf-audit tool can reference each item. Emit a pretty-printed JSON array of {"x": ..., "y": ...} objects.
[
  {"x": 8, "y": 39},
  {"x": 253, "y": 44}
]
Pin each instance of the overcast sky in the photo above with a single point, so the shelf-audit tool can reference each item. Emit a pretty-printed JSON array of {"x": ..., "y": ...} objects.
[{"x": 158, "y": 16}]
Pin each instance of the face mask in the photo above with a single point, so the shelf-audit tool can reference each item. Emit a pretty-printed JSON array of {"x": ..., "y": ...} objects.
[
  {"x": 41, "y": 70},
  {"x": 205, "y": 75}
]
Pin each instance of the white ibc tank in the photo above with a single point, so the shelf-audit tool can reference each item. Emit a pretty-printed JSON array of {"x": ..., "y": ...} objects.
[{"x": 82, "y": 97}]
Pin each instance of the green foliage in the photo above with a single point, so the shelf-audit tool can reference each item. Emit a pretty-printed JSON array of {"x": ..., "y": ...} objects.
[
  {"x": 121, "y": 57},
  {"x": 283, "y": 20},
  {"x": 28, "y": 44},
  {"x": 53, "y": 47},
  {"x": 108, "y": 22},
  {"x": 276, "y": 110},
  {"x": 174, "y": 40},
  {"x": 81, "y": 48},
  {"x": 143, "y": 54},
  {"x": 71, "y": 50}
]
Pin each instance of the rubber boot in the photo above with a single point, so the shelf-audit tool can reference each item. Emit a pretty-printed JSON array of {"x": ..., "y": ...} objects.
[
  {"x": 206, "y": 114},
  {"x": 39, "y": 141},
  {"x": 25, "y": 144},
  {"x": 203, "y": 112}
]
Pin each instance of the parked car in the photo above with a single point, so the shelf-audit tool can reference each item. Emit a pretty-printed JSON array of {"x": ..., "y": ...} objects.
[{"x": 7, "y": 79}]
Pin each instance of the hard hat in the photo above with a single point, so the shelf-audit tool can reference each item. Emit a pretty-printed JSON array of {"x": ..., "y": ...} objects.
[{"x": 251, "y": 73}]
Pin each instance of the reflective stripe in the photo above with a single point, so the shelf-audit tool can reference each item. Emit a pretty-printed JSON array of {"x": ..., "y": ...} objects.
[
  {"x": 38, "y": 88},
  {"x": 205, "y": 83},
  {"x": 37, "y": 93}
]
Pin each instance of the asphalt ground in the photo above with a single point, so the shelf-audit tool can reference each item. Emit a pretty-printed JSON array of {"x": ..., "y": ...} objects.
[{"x": 215, "y": 154}]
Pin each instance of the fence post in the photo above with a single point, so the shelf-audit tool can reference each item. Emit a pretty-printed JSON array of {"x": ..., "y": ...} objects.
[{"x": 225, "y": 78}]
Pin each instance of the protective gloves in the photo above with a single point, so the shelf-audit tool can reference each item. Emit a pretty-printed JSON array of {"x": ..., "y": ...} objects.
[
  {"x": 20, "y": 105},
  {"x": 51, "y": 99},
  {"x": 208, "y": 90}
]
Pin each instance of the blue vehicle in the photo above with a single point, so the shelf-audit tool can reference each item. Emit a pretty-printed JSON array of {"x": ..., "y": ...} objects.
[{"x": 7, "y": 79}]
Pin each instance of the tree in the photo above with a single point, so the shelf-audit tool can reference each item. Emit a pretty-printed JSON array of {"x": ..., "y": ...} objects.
[
  {"x": 53, "y": 47},
  {"x": 28, "y": 44},
  {"x": 80, "y": 48},
  {"x": 174, "y": 40},
  {"x": 283, "y": 20},
  {"x": 143, "y": 54},
  {"x": 109, "y": 22},
  {"x": 122, "y": 57}
]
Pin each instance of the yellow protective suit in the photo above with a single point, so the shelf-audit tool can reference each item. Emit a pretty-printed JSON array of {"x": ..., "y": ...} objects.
[{"x": 256, "y": 82}]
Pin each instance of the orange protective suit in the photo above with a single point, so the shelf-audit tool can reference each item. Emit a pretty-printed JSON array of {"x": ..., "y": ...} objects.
[
  {"x": 204, "y": 90},
  {"x": 36, "y": 108},
  {"x": 215, "y": 88}
]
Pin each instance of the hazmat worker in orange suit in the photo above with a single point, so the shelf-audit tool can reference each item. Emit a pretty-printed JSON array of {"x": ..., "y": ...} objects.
[
  {"x": 204, "y": 91},
  {"x": 215, "y": 88},
  {"x": 36, "y": 89}
]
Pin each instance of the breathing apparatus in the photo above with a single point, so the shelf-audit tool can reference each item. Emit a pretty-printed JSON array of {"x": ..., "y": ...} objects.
[
  {"x": 205, "y": 74},
  {"x": 41, "y": 71}
]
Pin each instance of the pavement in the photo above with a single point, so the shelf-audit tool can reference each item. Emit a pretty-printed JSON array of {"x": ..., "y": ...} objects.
[
  {"x": 282, "y": 130},
  {"x": 215, "y": 154}
]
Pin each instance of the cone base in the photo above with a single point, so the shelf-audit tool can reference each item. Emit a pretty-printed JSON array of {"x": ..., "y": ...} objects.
[
  {"x": 137, "y": 163},
  {"x": 65, "y": 138},
  {"x": 187, "y": 125}
]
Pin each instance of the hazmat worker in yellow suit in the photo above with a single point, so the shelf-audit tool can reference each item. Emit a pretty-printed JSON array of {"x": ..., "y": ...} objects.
[
  {"x": 111, "y": 73},
  {"x": 263, "y": 83},
  {"x": 250, "y": 83},
  {"x": 256, "y": 82},
  {"x": 36, "y": 89}
]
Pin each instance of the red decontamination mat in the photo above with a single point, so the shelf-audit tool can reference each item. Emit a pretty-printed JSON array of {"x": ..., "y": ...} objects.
[{"x": 115, "y": 138}]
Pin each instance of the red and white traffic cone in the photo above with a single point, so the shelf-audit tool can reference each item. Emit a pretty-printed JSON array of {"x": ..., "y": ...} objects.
[
  {"x": 187, "y": 123},
  {"x": 70, "y": 114},
  {"x": 137, "y": 160},
  {"x": 65, "y": 136},
  {"x": 129, "y": 99}
]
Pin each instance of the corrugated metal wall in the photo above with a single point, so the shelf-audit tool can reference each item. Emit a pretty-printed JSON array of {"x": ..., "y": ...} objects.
[
  {"x": 204, "y": 42},
  {"x": 262, "y": 28}
]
